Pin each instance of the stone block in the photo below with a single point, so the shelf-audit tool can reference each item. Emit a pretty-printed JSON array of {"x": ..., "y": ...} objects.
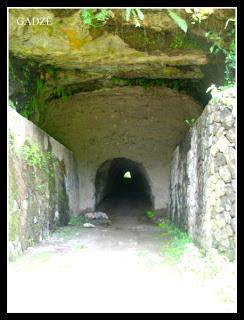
[{"x": 225, "y": 174}]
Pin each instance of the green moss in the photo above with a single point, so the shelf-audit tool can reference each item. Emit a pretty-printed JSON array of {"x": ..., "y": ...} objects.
[
  {"x": 174, "y": 240},
  {"x": 33, "y": 85},
  {"x": 44, "y": 161},
  {"x": 24, "y": 76},
  {"x": 74, "y": 221},
  {"x": 39, "y": 176},
  {"x": 182, "y": 41}
]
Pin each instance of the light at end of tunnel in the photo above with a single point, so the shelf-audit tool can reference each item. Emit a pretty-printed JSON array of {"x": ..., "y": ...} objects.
[{"x": 127, "y": 175}]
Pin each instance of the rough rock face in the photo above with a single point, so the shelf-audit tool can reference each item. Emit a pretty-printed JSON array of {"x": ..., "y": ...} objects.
[
  {"x": 142, "y": 125},
  {"x": 86, "y": 58},
  {"x": 68, "y": 44},
  {"x": 43, "y": 184},
  {"x": 203, "y": 177}
]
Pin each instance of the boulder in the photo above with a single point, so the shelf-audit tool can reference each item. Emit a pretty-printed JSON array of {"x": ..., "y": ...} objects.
[{"x": 96, "y": 215}]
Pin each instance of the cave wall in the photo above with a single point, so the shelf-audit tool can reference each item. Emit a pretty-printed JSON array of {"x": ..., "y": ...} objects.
[
  {"x": 43, "y": 188},
  {"x": 203, "y": 177},
  {"x": 142, "y": 125},
  {"x": 158, "y": 182}
]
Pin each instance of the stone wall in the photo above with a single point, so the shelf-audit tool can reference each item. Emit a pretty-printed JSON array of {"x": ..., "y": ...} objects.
[
  {"x": 203, "y": 177},
  {"x": 43, "y": 188}
]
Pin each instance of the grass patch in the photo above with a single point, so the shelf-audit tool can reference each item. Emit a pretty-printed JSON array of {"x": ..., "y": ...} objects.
[
  {"x": 76, "y": 221},
  {"x": 179, "y": 250},
  {"x": 150, "y": 215},
  {"x": 174, "y": 248}
]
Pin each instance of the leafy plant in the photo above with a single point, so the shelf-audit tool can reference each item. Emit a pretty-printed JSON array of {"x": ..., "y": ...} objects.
[
  {"x": 227, "y": 47},
  {"x": 173, "y": 250},
  {"x": 33, "y": 155},
  {"x": 181, "y": 23},
  {"x": 136, "y": 14},
  {"x": 61, "y": 92},
  {"x": 74, "y": 221},
  {"x": 190, "y": 122},
  {"x": 216, "y": 93},
  {"x": 95, "y": 18},
  {"x": 198, "y": 15},
  {"x": 11, "y": 104},
  {"x": 150, "y": 214},
  {"x": 98, "y": 17}
]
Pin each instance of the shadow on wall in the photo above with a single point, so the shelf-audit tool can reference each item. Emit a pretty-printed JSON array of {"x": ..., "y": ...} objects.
[{"x": 112, "y": 182}]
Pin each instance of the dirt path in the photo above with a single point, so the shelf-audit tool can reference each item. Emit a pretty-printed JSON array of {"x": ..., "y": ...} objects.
[{"x": 117, "y": 268}]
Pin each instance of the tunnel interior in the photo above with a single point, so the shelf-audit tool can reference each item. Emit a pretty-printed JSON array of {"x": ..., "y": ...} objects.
[{"x": 122, "y": 182}]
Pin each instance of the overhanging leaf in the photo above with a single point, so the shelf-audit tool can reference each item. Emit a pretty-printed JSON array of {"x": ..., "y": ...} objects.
[
  {"x": 127, "y": 14},
  {"x": 178, "y": 20},
  {"x": 139, "y": 14}
]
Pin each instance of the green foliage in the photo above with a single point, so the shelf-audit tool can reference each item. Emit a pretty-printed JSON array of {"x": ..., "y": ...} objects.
[
  {"x": 190, "y": 122},
  {"x": 174, "y": 248},
  {"x": 225, "y": 44},
  {"x": 98, "y": 17},
  {"x": 136, "y": 14},
  {"x": 49, "y": 70},
  {"x": 36, "y": 101},
  {"x": 59, "y": 91},
  {"x": 11, "y": 103},
  {"x": 44, "y": 161},
  {"x": 199, "y": 14},
  {"x": 183, "y": 42},
  {"x": 62, "y": 92},
  {"x": 74, "y": 221},
  {"x": 150, "y": 214},
  {"x": 181, "y": 23},
  {"x": 32, "y": 80},
  {"x": 217, "y": 94},
  {"x": 95, "y": 18},
  {"x": 34, "y": 156},
  {"x": 24, "y": 75}
]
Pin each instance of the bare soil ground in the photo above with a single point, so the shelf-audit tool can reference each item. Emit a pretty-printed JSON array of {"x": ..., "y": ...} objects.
[{"x": 118, "y": 268}]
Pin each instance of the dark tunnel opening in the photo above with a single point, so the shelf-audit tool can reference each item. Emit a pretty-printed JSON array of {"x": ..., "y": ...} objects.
[{"x": 122, "y": 183}]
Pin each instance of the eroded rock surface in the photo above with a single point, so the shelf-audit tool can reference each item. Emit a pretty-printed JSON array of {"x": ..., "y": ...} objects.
[{"x": 203, "y": 178}]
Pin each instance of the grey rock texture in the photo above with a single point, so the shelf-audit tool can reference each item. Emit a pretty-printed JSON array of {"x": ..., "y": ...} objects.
[{"x": 202, "y": 183}]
